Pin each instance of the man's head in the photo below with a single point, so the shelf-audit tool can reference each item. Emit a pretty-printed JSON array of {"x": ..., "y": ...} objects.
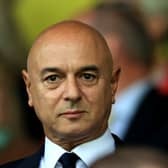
[{"x": 71, "y": 83}]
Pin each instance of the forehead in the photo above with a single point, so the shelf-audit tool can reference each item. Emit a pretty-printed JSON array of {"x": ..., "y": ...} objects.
[
  {"x": 70, "y": 52},
  {"x": 74, "y": 46}
]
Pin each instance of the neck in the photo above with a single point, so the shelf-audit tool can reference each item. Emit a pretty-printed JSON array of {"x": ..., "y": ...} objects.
[{"x": 69, "y": 141}]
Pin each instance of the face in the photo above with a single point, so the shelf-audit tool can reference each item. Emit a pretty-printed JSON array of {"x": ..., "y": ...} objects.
[{"x": 71, "y": 87}]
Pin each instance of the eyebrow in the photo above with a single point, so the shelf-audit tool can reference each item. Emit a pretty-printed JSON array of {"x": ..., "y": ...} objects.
[
  {"x": 50, "y": 69},
  {"x": 84, "y": 68},
  {"x": 89, "y": 68}
]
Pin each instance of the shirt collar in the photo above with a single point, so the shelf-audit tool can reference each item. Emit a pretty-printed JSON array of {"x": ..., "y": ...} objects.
[
  {"x": 89, "y": 152},
  {"x": 52, "y": 153}
]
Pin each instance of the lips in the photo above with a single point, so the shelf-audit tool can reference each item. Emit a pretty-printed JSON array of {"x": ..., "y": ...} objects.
[{"x": 72, "y": 114}]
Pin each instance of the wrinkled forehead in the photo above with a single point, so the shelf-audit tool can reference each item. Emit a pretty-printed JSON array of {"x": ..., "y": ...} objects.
[{"x": 72, "y": 36}]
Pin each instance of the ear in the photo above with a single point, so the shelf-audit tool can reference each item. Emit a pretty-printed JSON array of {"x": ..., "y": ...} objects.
[
  {"x": 26, "y": 79},
  {"x": 114, "y": 83}
]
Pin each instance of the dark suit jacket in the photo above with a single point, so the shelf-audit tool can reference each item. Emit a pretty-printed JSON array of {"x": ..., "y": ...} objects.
[
  {"x": 34, "y": 160},
  {"x": 150, "y": 124}
]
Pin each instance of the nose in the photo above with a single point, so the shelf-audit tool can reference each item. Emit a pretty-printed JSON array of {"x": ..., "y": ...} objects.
[{"x": 72, "y": 91}]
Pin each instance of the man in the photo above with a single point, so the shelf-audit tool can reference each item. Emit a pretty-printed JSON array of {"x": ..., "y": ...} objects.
[
  {"x": 71, "y": 84},
  {"x": 139, "y": 115}
]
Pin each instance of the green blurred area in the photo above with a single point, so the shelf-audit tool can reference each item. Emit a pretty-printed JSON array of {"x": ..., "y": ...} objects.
[{"x": 32, "y": 16}]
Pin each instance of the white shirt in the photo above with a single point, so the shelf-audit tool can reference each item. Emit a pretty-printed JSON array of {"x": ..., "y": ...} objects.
[
  {"x": 125, "y": 107},
  {"x": 88, "y": 152}
]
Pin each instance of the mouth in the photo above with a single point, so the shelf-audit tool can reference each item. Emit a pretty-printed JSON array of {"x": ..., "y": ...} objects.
[{"x": 72, "y": 114}]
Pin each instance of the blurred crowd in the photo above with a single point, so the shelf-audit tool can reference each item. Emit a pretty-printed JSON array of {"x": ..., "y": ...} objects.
[
  {"x": 133, "y": 157},
  {"x": 137, "y": 34}
]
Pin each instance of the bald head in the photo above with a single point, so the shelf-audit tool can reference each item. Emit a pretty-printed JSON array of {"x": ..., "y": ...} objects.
[{"x": 70, "y": 33}]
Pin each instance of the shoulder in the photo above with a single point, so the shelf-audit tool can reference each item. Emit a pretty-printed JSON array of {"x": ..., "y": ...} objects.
[
  {"x": 15, "y": 163},
  {"x": 154, "y": 94},
  {"x": 10, "y": 164},
  {"x": 153, "y": 102},
  {"x": 28, "y": 162}
]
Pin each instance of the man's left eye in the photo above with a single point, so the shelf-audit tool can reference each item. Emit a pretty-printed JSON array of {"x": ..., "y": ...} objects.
[{"x": 88, "y": 77}]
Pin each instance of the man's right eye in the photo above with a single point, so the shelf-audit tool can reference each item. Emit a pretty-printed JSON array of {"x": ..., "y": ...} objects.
[{"x": 52, "y": 81}]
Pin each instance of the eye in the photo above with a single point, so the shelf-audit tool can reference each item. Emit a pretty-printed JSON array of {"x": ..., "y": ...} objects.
[
  {"x": 88, "y": 78},
  {"x": 52, "y": 78}
]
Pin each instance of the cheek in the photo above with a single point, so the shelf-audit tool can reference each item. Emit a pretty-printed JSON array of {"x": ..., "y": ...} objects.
[
  {"x": 42, "y": 102},
  {"x": 91, "y": 95},
  {"x": 44, "y": 96},
  {"x": 99, "y": 96}
]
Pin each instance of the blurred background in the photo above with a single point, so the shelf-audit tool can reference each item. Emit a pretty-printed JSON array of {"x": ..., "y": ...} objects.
[{"x": 20, "y": 22}]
